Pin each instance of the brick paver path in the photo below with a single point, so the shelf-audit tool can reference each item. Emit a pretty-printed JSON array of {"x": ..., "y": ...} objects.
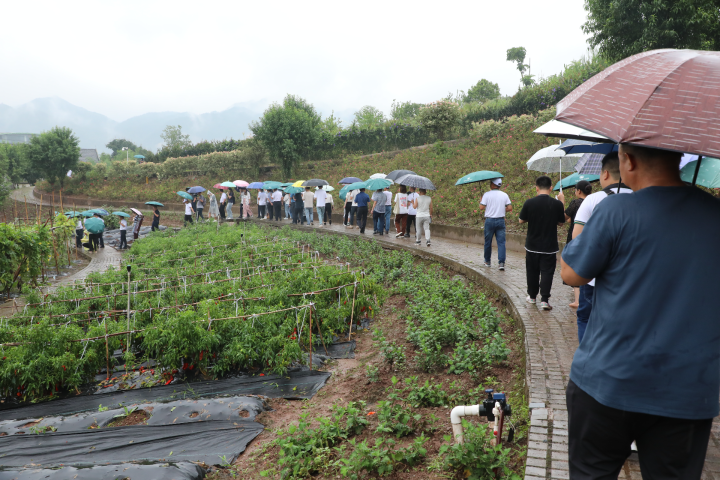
[{"x": 550, "y": 340}]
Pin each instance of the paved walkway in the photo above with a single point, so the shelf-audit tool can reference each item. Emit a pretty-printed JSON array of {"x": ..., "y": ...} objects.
[{"x": 551, "y": 341}]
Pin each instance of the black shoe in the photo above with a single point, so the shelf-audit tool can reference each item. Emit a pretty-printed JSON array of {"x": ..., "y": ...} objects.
[{"x": 407, "y": 236}]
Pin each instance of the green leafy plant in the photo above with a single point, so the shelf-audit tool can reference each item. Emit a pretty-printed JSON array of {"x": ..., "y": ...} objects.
[
  {"x": 426, "y": 395},
  {"x": 373, "y": 374}
]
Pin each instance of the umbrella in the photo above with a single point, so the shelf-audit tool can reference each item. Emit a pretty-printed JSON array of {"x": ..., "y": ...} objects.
[
  {"x": 220, "y": 186},
  {"x": 583, "y": 146},
  {"x": 272, "y": 185},
  {"x": 328, "y": 188},
  {"x": 136, "y": 211},
  {"x": 121, "y": 214},
  {"x": 241, "y": 183},
  {"x": 315, "y": 182},
  {"x": 87, "y": 213},
  {"x": 572, "y": 180},
  {"x": 72, "y": 214},
  {"x": 708, "y": 175},
  {"x": 228, "y": 185},
  {"x": 377, "y": 175},
  {"x": 194, "y": 190},
  {"x": 479, "y": 176},
  {"x": 377, "y": 183},
  {"x": 356, "y": 186},
  {"x": 185, "y": 195},
  {"x": 94, "y": 225},
  {"x": 100, "y": 211},
  {"x": 552, "y": 159},
  {"x": 349, "y": 180},
  {"x": 590, "y": 164},
  {"x": 416, "y": 181},
  {"x": 139, "y": 156},
  {"x": 157, "y": 204},
  {"x": 293, "y": 190},
  {"x": 395, "y": 174},
  {"x": 664, "y": 99},
  {"x": 343, "y": 192},
  {"x": 299, "y": 183},
  {"x": 564, "y": 130},
  {"x": 287, "y": 184},
  {"x": 256, "y": 185}
]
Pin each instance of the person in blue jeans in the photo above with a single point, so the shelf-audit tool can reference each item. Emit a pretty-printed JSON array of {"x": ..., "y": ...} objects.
[
  {"x": 495, "y": 203},
  {"x": 388, "y": 209}
]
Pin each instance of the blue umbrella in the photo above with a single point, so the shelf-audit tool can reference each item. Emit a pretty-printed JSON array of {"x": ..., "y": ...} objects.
[
  {"x": 194, "y": 190},
  {"x": 582, "y": 146},
  {"x": 256, "y": 185},
  {"x": 349, "y": 180}
]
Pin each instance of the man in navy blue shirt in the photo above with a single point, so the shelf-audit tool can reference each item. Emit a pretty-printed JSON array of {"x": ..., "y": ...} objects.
[
  {"x": 648, "y": 368},
  {"x": 362, "y": 200}
]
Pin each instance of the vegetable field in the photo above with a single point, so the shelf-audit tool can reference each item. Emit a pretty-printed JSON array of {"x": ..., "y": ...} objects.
[{"x": 212, "y": 301}]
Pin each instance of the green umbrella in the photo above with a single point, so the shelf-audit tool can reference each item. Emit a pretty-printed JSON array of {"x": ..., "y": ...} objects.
[
  {"x": 121, "y": 214},
  {"x": 343, "y": 192},
  {"x": 572, "y": 180},
  {"x": 87, "y": 213},
  {"x": 480, "y": 176},
  {"x": 294, "y": 190},
  {"x": 272, "y": 185},
  {"x": 377, "y": 183},
  {"x": 157, "y": 204},
  {"x": 287, "y": 184},
  {"x": 94, "y": 225},
  {"x": 225, "y": 184},
  {"x": 356, "y": 186},
  {"x": 186, "y": 195},
  {"x": 708, "y": 175},
  {"x": 73, "y": 214}
]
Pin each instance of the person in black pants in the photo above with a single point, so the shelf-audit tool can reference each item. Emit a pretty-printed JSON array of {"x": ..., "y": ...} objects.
[
  {"x": 79, "y": 230},
  {"x": 346, "y": 217},
  {"x": 156, "y": 220},
  {"x": 543, "y": 214},
  {"x": 99, "y": 236},
  {"x": 362, "y": 199},
  {"x": 299, "y": 212}
]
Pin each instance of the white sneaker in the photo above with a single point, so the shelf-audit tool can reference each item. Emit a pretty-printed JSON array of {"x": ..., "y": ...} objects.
[
  {"x": 545, "y": 306},
  {"x": 530, "y": 300},
  {"x": 487, "y": 264},
  {"x": 501, "y": 267}
]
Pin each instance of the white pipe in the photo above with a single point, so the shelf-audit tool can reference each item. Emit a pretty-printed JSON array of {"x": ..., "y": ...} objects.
[{"x": 455, "y": 418}]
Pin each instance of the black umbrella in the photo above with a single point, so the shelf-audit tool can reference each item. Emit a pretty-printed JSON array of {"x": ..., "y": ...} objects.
[
  {"x": 416, "y": 181},
  {"x": 395, "y": 174},
  {"x": 315, "y": 182}
]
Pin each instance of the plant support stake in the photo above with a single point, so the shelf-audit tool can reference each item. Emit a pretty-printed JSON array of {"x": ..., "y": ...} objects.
[{"x": 127, "y": 346}]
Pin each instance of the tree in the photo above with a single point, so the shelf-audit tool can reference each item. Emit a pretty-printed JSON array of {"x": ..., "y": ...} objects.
[
  {"x": 440, "y": 117},
  {"x": 369, "y": 117},
  {"x": 517, "y": 55},
  {"x": 174, "y": 138},
  {"x": 14, "y": 163},
  {"x": 53, "y": 153},
  {"x": 483, "y": 91},
  {"x": 288, "y": 131},
  {"x": 405, "y": 111},
  {"x": 621, "y": 28},
  {"x": 118, "y": 144}
]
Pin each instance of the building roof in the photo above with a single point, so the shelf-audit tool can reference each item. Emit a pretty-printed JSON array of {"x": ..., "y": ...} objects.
[{"x": 89, "y": 155}]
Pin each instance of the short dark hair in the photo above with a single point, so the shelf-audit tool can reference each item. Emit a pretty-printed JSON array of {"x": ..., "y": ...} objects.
[
  {"x": 362, "y": 189},
  {"x": 543, "y": 182},
  {"x": 611, "y": 164},
  {"x": 654, "y": 157},
  {"x": 403, "y": 189}
]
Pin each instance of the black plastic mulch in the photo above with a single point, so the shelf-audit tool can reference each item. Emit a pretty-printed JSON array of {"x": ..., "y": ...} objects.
[
  {"x": 171, "y": 471},
  {"x": 294, "y": 385}
]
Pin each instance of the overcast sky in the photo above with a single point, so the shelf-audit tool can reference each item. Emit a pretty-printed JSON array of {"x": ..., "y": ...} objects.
[{"x": 125, "y": 58}]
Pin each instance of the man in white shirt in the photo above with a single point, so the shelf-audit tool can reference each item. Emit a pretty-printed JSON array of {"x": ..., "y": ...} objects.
[
  {"x": 308, "y": 198},
  {"x": 261, "y": 201},
  {"x": 353, "y": 208},
  {"x": 412, "y": 212},
  {"x": 123, "y": 233},
  {"x": 610, "y": 181},
  {"x": 188, "y": 212},
  {"x": 277, "y": 203},
  {"x": 223, "y": 204},
  {"x": 320, "y": 196},
  {"x": 496, "y": 203}
]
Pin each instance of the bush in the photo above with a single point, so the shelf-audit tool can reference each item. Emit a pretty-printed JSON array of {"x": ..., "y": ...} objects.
[{"x": 440, "y": 117}]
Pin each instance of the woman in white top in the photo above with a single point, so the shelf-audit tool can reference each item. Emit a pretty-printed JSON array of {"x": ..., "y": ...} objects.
[
  {"x": 123, "y": 233},
  {"x": 245, "y": 198},
  {"x": 353, "y": 207},
  {"x": 328, "y": 209},
  {"x": 286, "y": 201},
  {"x": 401, "y": 211},
  {"x": 79, "y": 232},
  {"x": 188, "y": 212},
  {"x": 262, "y": 203},
  {"x": 411, "y": 211},
  {"x": 423, "y": 206}
]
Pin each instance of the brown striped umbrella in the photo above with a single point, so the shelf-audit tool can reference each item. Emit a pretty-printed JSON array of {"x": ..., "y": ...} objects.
[{"x": 667, "y": 99}]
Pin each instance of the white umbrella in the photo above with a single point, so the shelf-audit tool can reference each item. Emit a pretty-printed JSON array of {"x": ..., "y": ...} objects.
[
  {"x": 377, "y": 175},
  {"x": 552, "y": 159},
  {"x": 556, "y": 128},
  {"x": 328, "y": 188}
]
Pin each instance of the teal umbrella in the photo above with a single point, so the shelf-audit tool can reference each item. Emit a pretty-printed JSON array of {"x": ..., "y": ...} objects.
[
  {"x": 121, "y": 214},
  {"x": 224, "y": 184},
  {"x": 294, "y": 190},
  {"x": 272, "y": 185},
  {"x": 73, "y": 214},
  {"x": 377, "y": 183},
  {"x": 572, "y": 180},
  {"x": 94, "y": 225},
  {"x": 287, "y": 184},
  {"x": 139, "y": 156},
  {"x": 186, "y": 195},
  {"x": 157, "y": 204},
  {"x": 708, "y": 175},
  {"x": 343, "y": 192},
  {"x": 87, "y": 213},
  {"x": 356, "y": 186},
  {"x": 480, "y": 176}
]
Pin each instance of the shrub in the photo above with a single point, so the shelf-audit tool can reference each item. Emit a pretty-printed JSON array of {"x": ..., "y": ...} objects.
[{"x": 440, "y": 117}]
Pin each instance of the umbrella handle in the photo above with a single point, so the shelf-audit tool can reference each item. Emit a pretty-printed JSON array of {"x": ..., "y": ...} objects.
[{"x": 697, "y": 170}]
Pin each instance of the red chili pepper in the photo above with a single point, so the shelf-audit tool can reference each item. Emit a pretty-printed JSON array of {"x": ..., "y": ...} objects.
[
  {"x": 168, "y": 382},
  {"x": 201, "y": 354},
  {"x": 152, "y": 371},
  {"x": 262, "y": 375},
  {"x": 64, "y": 367}
]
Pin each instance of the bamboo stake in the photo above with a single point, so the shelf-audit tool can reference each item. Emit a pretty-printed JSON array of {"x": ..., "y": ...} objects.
[
  {"x": 352, "y": 312},
  {"x": 26, "y": 210},
  {"x": 310, "y": 332},
  {"x": 107, "y": 352},
  {"x": 40, "y": 206},
  {"x": 57, "y": 267}
]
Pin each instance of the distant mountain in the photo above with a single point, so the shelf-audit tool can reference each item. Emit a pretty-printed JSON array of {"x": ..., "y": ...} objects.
[{"x": 96, "y": 130}]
